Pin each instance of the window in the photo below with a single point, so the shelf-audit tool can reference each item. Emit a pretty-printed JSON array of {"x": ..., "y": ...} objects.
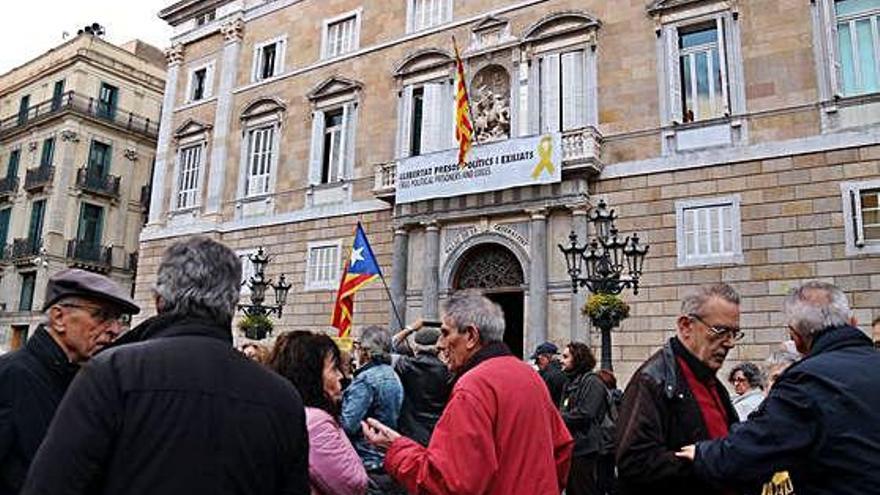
[
  {"x": 858, "y": 40},
  {"x": 48, "y": 153},
  {"x": 341, "y": 36},
  {"x": 322, "y": 272},
  {"x": 23, "y": 106},
  {"x": 332, "y": 160},
  {"x": 861, "y": 205},
  {"x": 5, "y": 215},
  {"x": 333, "y": 134},
  {"x": 268, "y": 59},
  {"x": 205, "y": 18},
  {"x": 99, "y": 159},
  {"x": 247, "y": 270},
  {"x": 91, "y": 225},
  {"x": 57, "y": 94},
  {"x": 708, "y": 231},
  {"x": 562, "y": 87},
  {"x": 12, "y": 165},
  {"x": 35, "y": 229},
  {"x": 423, "y": 14},
  {"x": 702, "y": 72},
  {"x": 426, "y": 122},
  {"x": 261, "y": 147},
  {"x": 189, "y": 167},
  {"x": 26, "y": 297},
  {"x": 108, "y": 97}
]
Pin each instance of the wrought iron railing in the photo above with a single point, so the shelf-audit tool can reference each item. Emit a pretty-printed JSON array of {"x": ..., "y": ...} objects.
[
  {"x": 84, "y": 105},
  {"x": 26, "y": 248},
  {"x": 89, "y": 252},
  {"x": 38, "y": 178},
  {"x": 8, "y": 186},
  {"x": 90, "y": 180}
]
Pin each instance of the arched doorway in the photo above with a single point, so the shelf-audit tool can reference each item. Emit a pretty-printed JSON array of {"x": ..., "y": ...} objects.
[{"x": 497, "y": 272}]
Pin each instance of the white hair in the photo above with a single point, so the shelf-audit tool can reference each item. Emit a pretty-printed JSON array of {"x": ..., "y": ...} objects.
[
  {"x": 469, "y": 307},
  {"x": 816, "y": 306}
]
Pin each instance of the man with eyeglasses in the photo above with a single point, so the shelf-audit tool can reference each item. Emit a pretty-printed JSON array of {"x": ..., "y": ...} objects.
[
  {"x": 821, "y": 420},
  {"x": 674, "y": 399},
  {"x": 82, "y": 315}
]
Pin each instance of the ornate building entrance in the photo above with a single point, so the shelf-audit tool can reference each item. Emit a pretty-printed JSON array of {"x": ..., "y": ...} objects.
[{"x": 496, "y": 271}]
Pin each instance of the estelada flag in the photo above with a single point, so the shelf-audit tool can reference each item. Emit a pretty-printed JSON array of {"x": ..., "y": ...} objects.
[
  {"x": 464, "y": 130},
  {"x": 360, "y": 269}
]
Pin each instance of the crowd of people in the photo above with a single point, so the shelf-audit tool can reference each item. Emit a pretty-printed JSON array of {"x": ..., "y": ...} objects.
[{"x": 442, "y": 407}]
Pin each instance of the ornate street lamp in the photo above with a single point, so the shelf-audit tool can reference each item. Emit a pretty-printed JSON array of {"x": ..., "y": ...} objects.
[
  {"x": 605, "y": 266},
  {"x": 258, "y": 284}
]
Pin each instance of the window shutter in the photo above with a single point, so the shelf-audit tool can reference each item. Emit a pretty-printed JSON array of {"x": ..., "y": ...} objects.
[
  {"x": 404, "y": 121},
  {"x": 574, "y": 112},
  {"x": 4, "y": 225},
  {"x": 858, "y": 222},
  {"x": 722, "y": 26},
  {"x": 534, "y": 97},
  {"x": 673, "y": 73},
  {"x": 432, "y": 118},
  {"x": 349, "y": 132},
  {"x": 448, "y": 108},
  {"x": 209, "y": 82},
  {"x": 830, "y": 15},
  {"x": 550, "y": 93},
  {"x": 316, "y": 154}
]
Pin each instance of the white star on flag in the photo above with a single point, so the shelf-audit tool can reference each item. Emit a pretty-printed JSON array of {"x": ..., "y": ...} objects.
[{"x": 356, "y": 255}]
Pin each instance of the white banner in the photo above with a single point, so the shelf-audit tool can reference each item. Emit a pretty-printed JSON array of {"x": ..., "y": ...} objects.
[{"x": 490, "y": 167}]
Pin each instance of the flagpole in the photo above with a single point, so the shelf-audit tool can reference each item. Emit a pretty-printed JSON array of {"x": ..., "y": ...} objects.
[{"x": 382, "y": 277}]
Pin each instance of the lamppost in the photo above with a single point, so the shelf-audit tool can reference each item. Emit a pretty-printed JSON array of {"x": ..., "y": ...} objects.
[
  {"x": 605, "y": 266},
  {"x": 258, "y": 283}
]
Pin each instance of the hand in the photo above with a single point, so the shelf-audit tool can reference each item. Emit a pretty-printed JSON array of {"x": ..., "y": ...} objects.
[
  {"x": 378, "y": 434},
  {"x": 687, "y": 452},
  {"x": 417, "y": 325}
]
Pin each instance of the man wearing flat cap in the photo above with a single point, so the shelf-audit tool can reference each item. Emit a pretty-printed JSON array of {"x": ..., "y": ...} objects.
[
  {"x": 550, "y": 369},
  {"x": 82, "y": 313}
]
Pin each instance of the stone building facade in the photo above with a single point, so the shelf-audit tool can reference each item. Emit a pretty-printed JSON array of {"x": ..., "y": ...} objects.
[
  {"x": 78, "y": 128},
  {"x": 739, "y": 138}
]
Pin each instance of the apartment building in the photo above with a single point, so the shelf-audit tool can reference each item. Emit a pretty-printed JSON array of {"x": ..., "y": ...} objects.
[
  {"x": 78, "y": 129},
  {"x": 739, "y": 138}
]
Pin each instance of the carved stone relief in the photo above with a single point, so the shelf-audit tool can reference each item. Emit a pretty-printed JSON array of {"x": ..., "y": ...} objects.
[{"x": 490, "y": 100}]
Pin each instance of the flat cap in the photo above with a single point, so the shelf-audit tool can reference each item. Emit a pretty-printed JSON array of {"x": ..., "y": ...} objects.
[
  {"x": 546, "y": 348},
  {"x": 427, "y": 336},
  {"x": 74, "y": 282}
]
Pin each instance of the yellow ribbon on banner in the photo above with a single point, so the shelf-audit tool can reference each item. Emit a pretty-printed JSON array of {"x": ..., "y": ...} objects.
[
  {"x": 545, "y": 152},
  {"x": 780, "y": 484}
]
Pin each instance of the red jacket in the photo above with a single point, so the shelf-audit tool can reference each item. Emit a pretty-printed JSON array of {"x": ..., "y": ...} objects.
[{"x": 500, "y": 434}]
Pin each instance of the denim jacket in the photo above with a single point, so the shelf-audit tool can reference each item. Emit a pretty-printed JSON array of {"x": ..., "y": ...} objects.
[{"x": 375, "y": 392}]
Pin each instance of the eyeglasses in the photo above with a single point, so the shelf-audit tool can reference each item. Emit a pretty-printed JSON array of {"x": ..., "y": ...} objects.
[
  {"x": 721, "y": 332},
  {"x": 99, "y": 313},
  {"x": 739, "y": 379}
]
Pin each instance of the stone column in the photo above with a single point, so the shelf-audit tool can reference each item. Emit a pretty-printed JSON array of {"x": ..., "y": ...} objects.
[
  {"x": 580, "y": 326},
  {"x": 157, "y": 197},
  {"x": 399, "y": 262},
  {"x": 431, "y": 284},
  {"x": 537, "y": 310},
  {"x": 233, "y": 32}
]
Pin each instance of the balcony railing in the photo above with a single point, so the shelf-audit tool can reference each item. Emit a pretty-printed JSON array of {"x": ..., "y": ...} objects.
[
  {"x": 89, "y": 253},
  {"x": 83, "y": 105},
  {"x": 89, "y": 180},
  {"x": 581, "y": 151},
  {"x": 38, "y": 178},
  {"x": 8, "y": 187},
  {"x": 386, "y": 180},
  {"x": 25, "y": 249}
]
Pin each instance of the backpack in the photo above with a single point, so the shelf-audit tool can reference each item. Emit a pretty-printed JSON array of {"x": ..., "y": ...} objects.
[{"x": 608, "y": 426}]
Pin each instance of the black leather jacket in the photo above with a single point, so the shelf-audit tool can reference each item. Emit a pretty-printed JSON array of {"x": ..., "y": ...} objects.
[
  {"x": 659, "y": 415},
  {"x": 426, "y": 388}
]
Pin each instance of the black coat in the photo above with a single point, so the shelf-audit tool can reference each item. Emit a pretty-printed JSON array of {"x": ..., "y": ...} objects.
[
  {"x": 584, "y": 404},
  {"x": 32, "y": 382},
  {"x": 182, "y": 412},
  {"x": 659, "y": 415},
  {"x": 820, "y": 422},
  {"x": 555, "y": 380},
  {"x": 426, "y": 388}
]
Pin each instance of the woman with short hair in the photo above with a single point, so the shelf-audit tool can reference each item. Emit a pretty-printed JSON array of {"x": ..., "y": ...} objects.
[
  {"x": 748, "y": 383},
  {"x": 312, "y": 364}
]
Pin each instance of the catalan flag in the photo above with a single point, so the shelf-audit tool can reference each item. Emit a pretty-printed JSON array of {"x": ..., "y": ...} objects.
[
  {"x": 464, "y": 130},
  {"x": 360, "y": 269}
]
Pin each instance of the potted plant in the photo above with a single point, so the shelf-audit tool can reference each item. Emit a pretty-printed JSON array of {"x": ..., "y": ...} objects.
[
  {"x": 255, "y": 326},
  {"x": 606, "y": 311}
]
